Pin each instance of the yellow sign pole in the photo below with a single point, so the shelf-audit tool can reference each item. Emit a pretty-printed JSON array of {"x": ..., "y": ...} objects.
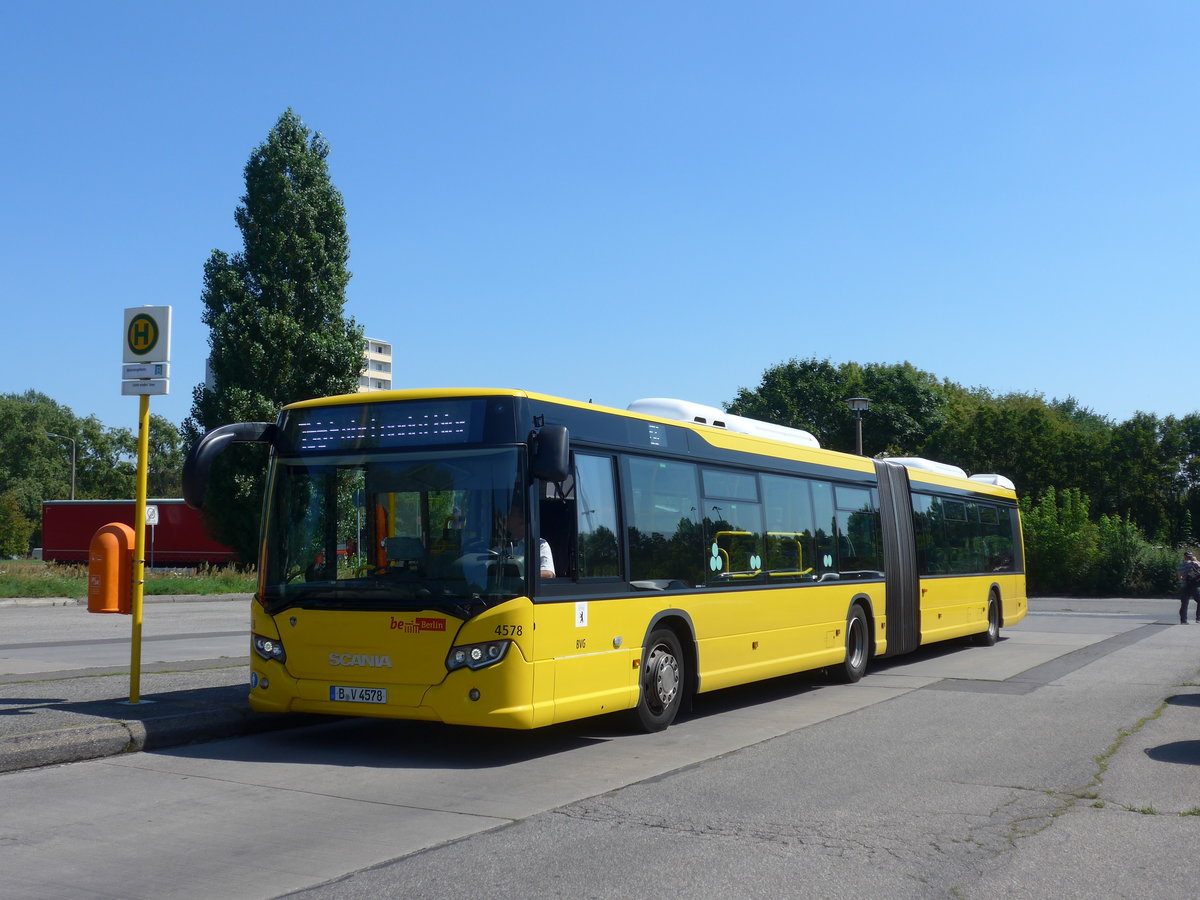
[
  {"x": 139, "y": 546},
  {"x": 147, "y": 353}
]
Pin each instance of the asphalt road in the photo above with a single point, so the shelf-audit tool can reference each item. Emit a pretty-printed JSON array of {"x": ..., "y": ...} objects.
[
  {"x": 1060, "y": 763},
  {"x": 43, "y": 636}
]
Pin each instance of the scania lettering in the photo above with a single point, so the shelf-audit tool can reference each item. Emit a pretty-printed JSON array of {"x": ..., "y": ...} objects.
[
  {"x": 510, "y": 559},
  {"x": 346, "y": 659}
]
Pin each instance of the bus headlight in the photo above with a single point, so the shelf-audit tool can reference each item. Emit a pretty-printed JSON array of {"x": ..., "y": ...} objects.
[
  {"x": 269, "y": 648},
  {"x": 476, "y": 656}
]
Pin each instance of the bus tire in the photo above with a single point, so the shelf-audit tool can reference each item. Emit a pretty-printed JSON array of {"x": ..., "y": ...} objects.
[
  {"x": 662, "y": 681},
  {"x": 858, "y": 647},
  {"x": 989, "y": 637}
]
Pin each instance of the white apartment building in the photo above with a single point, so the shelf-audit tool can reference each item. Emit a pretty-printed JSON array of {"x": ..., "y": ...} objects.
[
  {"x": 377, "y": 371},
  {"x": 376, "y": 374}
]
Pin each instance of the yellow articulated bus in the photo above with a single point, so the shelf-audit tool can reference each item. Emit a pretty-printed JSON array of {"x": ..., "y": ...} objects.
[{"x": 503, "y": 558}]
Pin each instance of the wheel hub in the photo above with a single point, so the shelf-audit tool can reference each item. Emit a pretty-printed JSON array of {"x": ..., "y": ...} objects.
[{"x": 663, "y": 676}]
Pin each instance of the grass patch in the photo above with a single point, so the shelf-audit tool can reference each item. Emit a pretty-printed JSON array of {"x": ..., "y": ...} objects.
[
  {"x": 205, "y": 580},
  {"x": 34, "y": 578}
]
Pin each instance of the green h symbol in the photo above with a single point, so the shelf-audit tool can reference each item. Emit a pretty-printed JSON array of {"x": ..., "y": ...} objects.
[{"x": 143, "y": 334}]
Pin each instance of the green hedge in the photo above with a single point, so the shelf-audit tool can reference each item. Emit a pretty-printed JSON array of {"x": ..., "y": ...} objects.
[{"x": 1068, "y": 553}]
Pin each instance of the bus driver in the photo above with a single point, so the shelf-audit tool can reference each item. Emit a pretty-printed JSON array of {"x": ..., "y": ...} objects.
[{"x": 515, "y": 546}]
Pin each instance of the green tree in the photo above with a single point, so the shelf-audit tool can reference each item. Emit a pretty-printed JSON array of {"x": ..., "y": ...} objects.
[
  {"x": 167, "y": 452},
  {"x": 1141, "y": 472},
  {"x": 1021, "y": 436},
  {"x": 906, "y": 403},
  {"x": 36, "y": 435},
  {"x": 35, "y": 453},
  {"x": 34, "y": 466},
  {"x": 15, "y": 528},
  {"x": 275, "y": 313}
]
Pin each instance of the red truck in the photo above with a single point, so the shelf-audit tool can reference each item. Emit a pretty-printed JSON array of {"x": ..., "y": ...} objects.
[{"x": 179, "y": 538}]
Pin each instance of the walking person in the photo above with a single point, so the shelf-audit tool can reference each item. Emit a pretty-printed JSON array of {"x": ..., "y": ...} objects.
[{"x": 1189, "y": 586}]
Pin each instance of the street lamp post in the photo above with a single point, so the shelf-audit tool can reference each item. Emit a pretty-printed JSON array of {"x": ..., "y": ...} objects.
[
  {"x": 63, "y": 437},
  {"x": 860, "y": 405}
]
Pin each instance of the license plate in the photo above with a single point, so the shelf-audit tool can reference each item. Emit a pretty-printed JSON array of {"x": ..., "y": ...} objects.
[{"x": 357, "y": 694}]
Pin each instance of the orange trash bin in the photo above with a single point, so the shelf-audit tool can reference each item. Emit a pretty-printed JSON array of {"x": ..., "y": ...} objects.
[{"x": 110, "y": 569}]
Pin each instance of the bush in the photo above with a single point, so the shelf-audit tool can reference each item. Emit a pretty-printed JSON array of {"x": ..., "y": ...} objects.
[
  {"x": 1061, "y": 543},
  {"x": 15, "y": 528},
  {"x": 1128, "y": 565},
  {"x": 1067, "y": 553}
]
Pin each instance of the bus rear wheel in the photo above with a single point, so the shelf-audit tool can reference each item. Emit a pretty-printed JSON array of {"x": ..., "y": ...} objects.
[
  {"x": 989, "y": 637},
  {"x": 858, "y": 647},
  {"x": 661, "y": 682}
]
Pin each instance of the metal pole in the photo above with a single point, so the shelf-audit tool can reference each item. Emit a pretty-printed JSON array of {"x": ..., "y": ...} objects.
[
  {"x": 139, "y": 551},
  {"x": 858, "y": 430}
]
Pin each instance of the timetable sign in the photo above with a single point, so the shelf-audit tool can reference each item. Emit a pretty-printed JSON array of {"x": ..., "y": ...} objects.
[
  {"x": 149, "y": 387},
  {"x": 146, "y": 370}
]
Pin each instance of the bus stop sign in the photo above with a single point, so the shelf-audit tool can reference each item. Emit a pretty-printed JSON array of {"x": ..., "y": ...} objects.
[{"x": 147, "y": 334}]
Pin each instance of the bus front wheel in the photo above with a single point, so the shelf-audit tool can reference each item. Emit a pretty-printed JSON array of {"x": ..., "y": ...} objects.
[{"x": 661, "y": 682}]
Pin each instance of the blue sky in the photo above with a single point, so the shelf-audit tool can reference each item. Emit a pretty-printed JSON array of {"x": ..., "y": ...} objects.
[{"x": 610, "y": 201}]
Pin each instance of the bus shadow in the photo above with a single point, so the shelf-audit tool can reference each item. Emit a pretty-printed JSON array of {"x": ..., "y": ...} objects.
[
  {"x": 394, "y": 744},
  {"x": 787, "y": 686},
  {"x": 157, "y": 708},
  {"x": 27, "y": 706},
  {"x": 747, "y": 696},
  {"x": 928, "y": 652},
  {"x": 402, "y": 744}
]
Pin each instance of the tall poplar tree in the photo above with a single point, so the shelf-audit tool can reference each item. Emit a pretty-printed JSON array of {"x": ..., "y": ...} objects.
[{"x": 275, "y": 310}]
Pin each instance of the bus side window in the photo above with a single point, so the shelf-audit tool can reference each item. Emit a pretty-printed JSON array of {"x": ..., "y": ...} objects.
[
  {"x": 733, "y": 527},
  {"x": 924, "y": 532},
  {"x": 596, "y": 518},
  {"x": 792, "y": 553},
  {"x": 825, "y": 536},
  {"x": 666, "y": 546},
  {"x": 860, "y": 554},
  {"x": 556, "y": 511}
]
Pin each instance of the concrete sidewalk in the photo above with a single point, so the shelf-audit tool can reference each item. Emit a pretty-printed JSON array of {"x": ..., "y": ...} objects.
[{"x": 53, "y": 717}]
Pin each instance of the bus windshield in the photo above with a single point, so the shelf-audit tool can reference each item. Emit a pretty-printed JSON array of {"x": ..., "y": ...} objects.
[{"x": 396, "y": 530}]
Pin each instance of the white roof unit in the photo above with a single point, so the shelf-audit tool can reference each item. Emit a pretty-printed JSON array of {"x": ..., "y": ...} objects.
[
  {"x": 998, "y": 480},
  {"x": 685, "y": 411},
  {"x": 927, "y": 465}
]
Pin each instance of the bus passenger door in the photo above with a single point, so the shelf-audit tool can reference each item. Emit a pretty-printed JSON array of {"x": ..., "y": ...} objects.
[{"x": 582, "y": 669}]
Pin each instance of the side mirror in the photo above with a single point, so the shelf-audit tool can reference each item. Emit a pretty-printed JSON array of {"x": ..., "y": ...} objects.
[
  {"x": 550, "y": 453},
  {"x": 200, "y": 458}
]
